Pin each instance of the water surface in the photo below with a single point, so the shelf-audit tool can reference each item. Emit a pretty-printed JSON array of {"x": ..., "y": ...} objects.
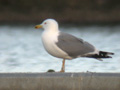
[{"x": 21, "y": 49}]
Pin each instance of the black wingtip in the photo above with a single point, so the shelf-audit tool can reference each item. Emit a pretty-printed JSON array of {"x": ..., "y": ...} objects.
[
  {"x": 110, "y": 53},
  {"x": 108, "y": 57}
]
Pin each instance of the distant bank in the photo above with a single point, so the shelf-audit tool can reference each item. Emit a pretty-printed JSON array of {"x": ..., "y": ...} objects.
[{"x": 72, "y": 11}]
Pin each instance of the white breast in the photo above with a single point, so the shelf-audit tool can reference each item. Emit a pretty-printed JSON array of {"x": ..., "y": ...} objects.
[{"x": 49, "y": 39}]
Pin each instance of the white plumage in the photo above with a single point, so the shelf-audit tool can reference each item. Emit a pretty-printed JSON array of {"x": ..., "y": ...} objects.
[{"x": 66, "y": 46}]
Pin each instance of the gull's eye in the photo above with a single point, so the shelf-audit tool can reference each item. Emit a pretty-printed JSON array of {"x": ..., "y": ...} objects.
[{"x": 45, "y": 23}]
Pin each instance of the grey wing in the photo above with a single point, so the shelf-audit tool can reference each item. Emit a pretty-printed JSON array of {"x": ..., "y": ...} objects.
[{"x": 73, "y": 46}]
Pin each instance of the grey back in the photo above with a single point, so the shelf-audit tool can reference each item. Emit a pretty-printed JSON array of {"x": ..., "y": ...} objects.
[{"x": 73, "y": 46}]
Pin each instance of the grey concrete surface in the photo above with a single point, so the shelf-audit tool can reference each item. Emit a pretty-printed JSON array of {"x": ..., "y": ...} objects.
[{"x": 60, "y": 81}]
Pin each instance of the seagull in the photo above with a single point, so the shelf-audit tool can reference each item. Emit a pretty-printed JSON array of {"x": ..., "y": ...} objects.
[{"x": 66, "y": 46}]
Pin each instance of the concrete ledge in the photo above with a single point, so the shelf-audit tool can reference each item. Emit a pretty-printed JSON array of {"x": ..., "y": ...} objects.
[{"x": 60, "y": 81}]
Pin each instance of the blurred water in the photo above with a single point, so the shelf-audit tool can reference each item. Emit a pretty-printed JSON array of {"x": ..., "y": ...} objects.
[{"x": 21, "y": 49}]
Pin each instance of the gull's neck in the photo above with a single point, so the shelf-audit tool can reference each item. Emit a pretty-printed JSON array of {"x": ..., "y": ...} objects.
[
  {"x": 51, "y": 30},
  {"x": 50, "y": 33}
]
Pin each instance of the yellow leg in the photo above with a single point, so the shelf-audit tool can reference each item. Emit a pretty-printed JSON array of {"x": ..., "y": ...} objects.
[{"x": 63, "y": 66}]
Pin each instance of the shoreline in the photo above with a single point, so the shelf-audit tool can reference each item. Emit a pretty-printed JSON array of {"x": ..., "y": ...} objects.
[{"x": 79, "y": 17}]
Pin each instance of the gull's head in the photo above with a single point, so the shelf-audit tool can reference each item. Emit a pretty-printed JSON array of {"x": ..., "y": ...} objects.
[{"x": 48, "y": 24}]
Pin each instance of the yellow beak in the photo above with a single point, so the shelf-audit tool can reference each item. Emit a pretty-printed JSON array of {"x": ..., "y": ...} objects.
[{"x": 38, "y": 26}]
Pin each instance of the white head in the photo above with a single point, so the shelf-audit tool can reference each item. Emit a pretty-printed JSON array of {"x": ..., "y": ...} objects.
[{"x": 48, "y": 24}]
